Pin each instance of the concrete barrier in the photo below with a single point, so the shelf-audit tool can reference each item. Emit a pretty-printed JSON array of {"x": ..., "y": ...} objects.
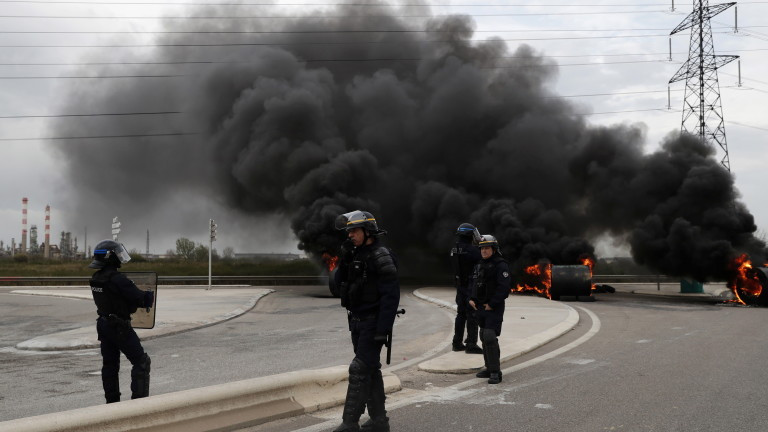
[{"x": 216, "y": 408}]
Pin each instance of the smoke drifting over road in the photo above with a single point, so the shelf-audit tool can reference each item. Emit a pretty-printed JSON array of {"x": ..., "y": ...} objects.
[{"x": 425, "y": 129}]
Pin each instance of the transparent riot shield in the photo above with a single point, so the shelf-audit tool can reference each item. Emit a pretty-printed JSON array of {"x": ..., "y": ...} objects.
[{"x": 144, "y": 318}]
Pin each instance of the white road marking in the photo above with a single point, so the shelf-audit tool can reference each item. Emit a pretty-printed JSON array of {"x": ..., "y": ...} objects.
[{"x": 451, "y": 392}]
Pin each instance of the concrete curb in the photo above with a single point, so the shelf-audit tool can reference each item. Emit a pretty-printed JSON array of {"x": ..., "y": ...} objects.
[
  {"x": 215, "y": 408},
  {"x": 512, "y": 345}
]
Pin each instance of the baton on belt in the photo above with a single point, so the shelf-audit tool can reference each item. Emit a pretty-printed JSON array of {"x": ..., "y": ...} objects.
[{"x": 388, "y": 343}]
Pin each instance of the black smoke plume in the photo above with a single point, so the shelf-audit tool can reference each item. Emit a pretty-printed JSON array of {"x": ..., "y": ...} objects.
[{"x": 415, "y": 122}]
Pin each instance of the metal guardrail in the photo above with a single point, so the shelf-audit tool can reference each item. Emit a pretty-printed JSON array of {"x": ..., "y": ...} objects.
[
  {"x": 281, "y": 280},
  {"x": 172, "y": 280}
]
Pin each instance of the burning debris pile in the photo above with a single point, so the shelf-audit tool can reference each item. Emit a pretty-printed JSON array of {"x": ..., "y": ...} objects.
[{"x": 424, "y": 126}]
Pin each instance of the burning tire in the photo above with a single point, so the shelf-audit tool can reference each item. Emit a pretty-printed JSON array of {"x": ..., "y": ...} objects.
[
  {"x": 757, "y": 298},
  {"x": 332, "y": 284},
  {"x": 571, "y": 280}
]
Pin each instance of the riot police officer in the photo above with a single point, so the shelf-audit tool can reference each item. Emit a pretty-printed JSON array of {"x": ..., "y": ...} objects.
[
  {"x": 370, "y": 291},
  {"x": 464, "y": 256},
  {"x": 490, "y": 287},
  {"x": 116, "y": 298}
]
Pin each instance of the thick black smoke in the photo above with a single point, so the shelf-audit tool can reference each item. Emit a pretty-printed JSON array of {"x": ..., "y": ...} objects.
[{"x": 425, "y": 129}]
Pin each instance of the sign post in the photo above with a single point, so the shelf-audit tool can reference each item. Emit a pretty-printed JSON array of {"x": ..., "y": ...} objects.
[{"x": 210, "y": 249}]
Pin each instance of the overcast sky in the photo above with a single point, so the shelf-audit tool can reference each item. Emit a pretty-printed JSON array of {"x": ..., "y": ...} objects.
[{"x": 613, "y": 58}]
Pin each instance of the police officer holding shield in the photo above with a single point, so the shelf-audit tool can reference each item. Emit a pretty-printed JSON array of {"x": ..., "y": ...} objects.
[
  {"x": 370, "y": 291},
  {"x": 490, "y": 287},
  {"x": 464, "y": 256},
  {"x": 116, "y": 298}
]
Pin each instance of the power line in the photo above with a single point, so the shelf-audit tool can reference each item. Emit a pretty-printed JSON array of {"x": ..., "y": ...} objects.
[
  {"x": 102, "y": 136},
  {"x": 210, "y": 62},
  {"x": 356, "y": 4},
  {"x": 191, "y": 45},
  {"x": 241, "y": 17},
  {"x": 748, "y": 126},
  {"x": 247, "y": 32},
  {"x": 88, "y": 77},
  {"x": 630, "y": 111},
  {"x": 331, "y": 60},
  {"x": 339, "y": 4},
  {"x": 91, "y": 115}
]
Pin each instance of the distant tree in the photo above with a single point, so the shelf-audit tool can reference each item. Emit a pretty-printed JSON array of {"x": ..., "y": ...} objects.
[
  {"x": 185, "y": 248},
  {"x": 200, "y": 253},
  {"x": 228, "y": 252}
]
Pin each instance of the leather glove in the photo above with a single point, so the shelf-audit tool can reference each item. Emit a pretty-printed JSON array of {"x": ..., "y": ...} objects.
[
  {"x": 380, "y": 338},
  {"x": 347, "y": 251}
]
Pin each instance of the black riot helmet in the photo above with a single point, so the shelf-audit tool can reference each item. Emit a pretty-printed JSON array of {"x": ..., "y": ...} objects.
[
  {"x": 359, "y": 219},
  {"x": 487, "y": 240},
  {"x": 468, "y": 232},
  {"x": 109, "y": 252}
]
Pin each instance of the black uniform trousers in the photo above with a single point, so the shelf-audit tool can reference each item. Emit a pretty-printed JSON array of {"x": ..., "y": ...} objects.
[
  {"x": 490, "y": 319},
  {"x": 113, "y": 342},
  {"x": 366, "y": 349},
  {"x": 465, "y": 317}
]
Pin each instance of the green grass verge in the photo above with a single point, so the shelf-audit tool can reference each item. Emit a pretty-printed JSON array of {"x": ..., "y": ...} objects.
[{"x": 300, "y": 267}]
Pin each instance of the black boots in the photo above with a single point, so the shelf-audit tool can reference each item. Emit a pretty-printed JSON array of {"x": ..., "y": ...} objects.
[
  {"x": 358, "y": 391},
  {"x": 473, "y": 349},
  {"x": 493, "y": 377},
  {"x": 140, "y": 378},
  {"x": 379, "y": 422}
]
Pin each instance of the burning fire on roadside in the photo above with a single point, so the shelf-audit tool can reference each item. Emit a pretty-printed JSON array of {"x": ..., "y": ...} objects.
[
  {"x": 330, "y": 261},
  {"x": 536, "y": 279},
  {"x": 745, "y": 281},
  {"x": 590, "y": 263}
]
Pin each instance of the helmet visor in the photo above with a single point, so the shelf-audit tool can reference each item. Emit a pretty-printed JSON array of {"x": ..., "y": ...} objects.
[
  {"x": 350, "y": 220},
  {"x": 476, "y": 236},
  {"x": 122, "y": 254}
]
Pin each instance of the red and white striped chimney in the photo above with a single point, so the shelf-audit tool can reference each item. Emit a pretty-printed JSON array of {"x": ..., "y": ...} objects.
[
  {"x": 24, "y": 202},
  {"x": 47, "y": 231}
]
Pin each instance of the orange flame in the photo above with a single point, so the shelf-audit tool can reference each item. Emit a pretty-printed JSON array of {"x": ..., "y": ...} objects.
[
  {"x": 744, "y": 280},
  {"x": 589, "y": 262},
  {"x": 537, "y": 279},
  {"x": 331, "y": 262}
]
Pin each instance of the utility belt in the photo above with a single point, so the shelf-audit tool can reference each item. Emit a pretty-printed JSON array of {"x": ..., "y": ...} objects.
[
  {"x": 353, "y": 317},
  {"x": 121, "y": 325}
]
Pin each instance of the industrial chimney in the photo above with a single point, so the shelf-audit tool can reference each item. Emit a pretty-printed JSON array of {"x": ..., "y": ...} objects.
[
  {"x": 24, "y": 202},
  {"x": 47, "y": 251}
]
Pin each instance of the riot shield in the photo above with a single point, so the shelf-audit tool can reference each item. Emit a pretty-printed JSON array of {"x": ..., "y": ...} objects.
[{"x": 144, "y": 318}]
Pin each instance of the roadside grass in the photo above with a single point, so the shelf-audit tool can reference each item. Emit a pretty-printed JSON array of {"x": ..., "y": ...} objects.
[{"x": 222, "y": 267}]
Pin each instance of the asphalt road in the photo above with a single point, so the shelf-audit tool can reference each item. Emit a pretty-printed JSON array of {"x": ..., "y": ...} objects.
[
  {"x": 293, "y": 328},
  {"x": 634, "y": 363}
]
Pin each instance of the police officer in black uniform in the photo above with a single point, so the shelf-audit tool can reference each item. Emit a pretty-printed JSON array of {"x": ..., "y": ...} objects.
[
  {"x": 464, "y": 256},
  {"x": 116, "y": 299},
  {"x": 370, "y": 291},
  {"x": 490, "y": 287}
]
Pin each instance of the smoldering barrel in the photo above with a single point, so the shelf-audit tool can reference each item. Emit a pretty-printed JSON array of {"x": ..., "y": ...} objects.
[{"x": 570, "y": 280}]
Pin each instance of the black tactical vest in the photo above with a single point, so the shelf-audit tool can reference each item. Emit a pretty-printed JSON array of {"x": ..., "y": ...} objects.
[
  {"x": 365, "y": 270},
  {"x": 485, "y": 279},
  {"x": 106, "y": 295},
  {"x": 462, "y": 265}
]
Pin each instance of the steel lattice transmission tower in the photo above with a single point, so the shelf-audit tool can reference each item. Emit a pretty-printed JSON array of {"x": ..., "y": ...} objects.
[{"x": 702, "y": 111}]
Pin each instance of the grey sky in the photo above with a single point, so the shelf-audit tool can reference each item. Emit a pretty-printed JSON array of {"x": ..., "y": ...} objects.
[{"x": 31, "y": 169}]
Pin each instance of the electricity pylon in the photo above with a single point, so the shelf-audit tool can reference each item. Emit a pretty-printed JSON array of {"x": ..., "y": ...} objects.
[{"x": 702, "y": 111}]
